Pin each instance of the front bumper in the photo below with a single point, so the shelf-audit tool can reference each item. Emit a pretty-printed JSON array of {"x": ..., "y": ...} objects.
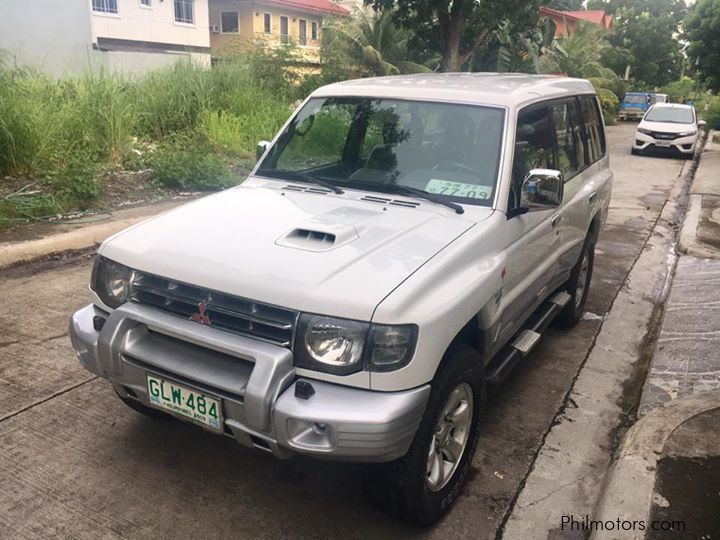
[
  {"x": 255, "y": 382},
  {"x": 631, "y": 114},
  {"x": 684, "y": 145}
]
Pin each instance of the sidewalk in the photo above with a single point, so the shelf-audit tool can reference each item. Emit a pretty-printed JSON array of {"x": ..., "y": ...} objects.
[
  {"x": 42, "y": 239},
  {"x": 668, "y": 465}
]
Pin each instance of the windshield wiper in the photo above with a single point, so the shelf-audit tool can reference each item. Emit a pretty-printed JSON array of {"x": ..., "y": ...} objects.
[
  {"x": 422, "y": 194},
  {"x": 301, "y": 177}
]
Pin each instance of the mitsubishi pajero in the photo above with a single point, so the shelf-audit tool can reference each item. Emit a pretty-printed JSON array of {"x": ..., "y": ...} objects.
[{"x": 400, "y": 245}]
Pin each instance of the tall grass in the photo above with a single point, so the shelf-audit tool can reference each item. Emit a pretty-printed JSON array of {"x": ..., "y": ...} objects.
[{"x": 61, "y": 133}]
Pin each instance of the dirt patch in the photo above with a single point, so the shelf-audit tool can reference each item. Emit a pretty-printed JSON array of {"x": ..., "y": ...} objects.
[{"x": 686, "y": 502}]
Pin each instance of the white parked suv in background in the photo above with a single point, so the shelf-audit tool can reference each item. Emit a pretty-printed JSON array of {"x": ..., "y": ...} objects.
[
  {"x": 401, "y": 244},
  {"x": 668, "y": 127}
]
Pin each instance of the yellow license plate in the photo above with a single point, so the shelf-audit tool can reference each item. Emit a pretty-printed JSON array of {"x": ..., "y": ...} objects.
[{"x": 194, "y": 405}]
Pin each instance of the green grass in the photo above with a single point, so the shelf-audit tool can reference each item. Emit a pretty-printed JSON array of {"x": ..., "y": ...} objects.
[{"x": 191, "y": 124}]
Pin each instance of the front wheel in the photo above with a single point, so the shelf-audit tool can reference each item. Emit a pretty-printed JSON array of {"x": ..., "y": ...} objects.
[
  {"x": 577, "y": 286},
  {"x": 421, "y": 486}
]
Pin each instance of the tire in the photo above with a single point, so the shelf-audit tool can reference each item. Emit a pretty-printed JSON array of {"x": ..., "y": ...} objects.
[
  {"x": 403, "y": 488},
  {"x": 143, "y": 409},
  {"x": 577, "y": 286}
]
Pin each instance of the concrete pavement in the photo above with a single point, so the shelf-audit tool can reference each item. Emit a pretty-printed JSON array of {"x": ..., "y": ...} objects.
[
  {"x": 667, "y": 467},
  {"x": 76, "y": 463}
]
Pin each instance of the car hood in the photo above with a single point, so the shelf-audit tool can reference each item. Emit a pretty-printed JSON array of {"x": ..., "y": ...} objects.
[
  {"x": 667, "y": 127},
  {"x": 313, "y": 252}
]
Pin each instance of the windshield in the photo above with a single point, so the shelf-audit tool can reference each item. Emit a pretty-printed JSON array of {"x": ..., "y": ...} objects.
[
  {"x": 449, "y": 150},
  {"x": 674, "y": 115},
  {"x": 635, "y": 99}
]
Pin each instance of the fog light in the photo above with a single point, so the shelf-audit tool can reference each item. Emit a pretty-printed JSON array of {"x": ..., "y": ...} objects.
[
  {"x": 98, "y": 323},
  {"x": 319, "y": 429}
]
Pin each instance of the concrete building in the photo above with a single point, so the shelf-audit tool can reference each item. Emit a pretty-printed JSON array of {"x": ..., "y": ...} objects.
[
  {"x": 237, "y": 23},
  {"x": 134, "y": 36}
]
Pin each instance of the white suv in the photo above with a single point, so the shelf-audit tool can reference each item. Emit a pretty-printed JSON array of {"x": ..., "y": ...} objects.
[{"x": 400, "y": 245}]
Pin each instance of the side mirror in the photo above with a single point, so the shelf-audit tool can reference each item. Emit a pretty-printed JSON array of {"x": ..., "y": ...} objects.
[
  {"x": 702, "y": 123},
  {"x": 542, "y": 189},
  {"x": 261, "y": 148}
]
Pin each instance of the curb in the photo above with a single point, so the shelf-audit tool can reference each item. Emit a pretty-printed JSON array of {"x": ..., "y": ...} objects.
[
  {"x": 630, "y": 483},
  {"x": 79, "y": 239},
  {"x": 687, "y": 243},
  {"x": 12, "y": 253}
]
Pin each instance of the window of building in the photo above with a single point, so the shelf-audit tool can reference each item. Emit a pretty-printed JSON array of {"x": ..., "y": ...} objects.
[
  {"x": 146, "y": 3},
  {"x": 314, "y": 30},
  {"x": 267, "y": 23},
  {"x": 302, "y": 37},
  {"x": 105, "y": 6},
  {"x": 184, "y": 12},
  {"x": 230, "y": 22},
  {"x": 284, "y": 30}
]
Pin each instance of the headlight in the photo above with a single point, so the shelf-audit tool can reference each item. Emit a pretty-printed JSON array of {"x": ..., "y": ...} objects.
[
  {"x": 686, "y": 133},
  {"x": 110, "y": 281},
  {"x": 645, "y": 131},
  {"x": 343, "y": 346}
]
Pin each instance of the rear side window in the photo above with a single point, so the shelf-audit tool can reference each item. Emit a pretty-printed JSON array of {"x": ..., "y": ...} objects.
[{"x": 593, "y": 128}]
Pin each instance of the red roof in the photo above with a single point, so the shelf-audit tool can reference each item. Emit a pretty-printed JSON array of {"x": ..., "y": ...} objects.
[
  {"x": 321, "y": 6},
  {"x": 597, "y": 16}
]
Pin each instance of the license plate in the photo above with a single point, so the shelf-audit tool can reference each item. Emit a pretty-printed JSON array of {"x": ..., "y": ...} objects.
[
  {"x": 662, "y": 143},
  {"x": 196, "y": 406}
]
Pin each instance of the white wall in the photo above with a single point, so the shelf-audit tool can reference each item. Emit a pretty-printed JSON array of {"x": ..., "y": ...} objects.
[
  {"x": 155, "y": 24},
  {"x": 50, "y": 35}
]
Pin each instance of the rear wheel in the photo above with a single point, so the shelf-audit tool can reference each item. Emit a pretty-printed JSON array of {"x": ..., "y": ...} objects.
[
  {"x": 577, "y": 286},
  {"x": 421, "y": 486}
]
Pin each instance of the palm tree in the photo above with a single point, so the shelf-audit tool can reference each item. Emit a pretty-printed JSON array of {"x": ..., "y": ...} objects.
[{"x": 370, "y": 44}]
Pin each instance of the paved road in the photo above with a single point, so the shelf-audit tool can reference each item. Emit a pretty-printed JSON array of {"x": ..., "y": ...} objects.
[{"x": 76, "y": 463}]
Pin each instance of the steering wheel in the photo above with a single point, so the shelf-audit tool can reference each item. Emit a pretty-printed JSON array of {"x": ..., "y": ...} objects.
[{"x": 454, "y": 165}]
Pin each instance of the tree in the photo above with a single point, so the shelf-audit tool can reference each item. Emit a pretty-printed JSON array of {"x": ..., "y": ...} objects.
[
  {"x": 702, "y": 29},
  {"x": 645, "y": 36},
  {"x": 564, "y": 5},
  {"x": 458, "y": 29},
  {"x": 368, "y": 44}
]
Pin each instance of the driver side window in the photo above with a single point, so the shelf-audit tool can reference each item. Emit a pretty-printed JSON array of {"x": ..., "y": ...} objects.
[{"x": 533, "y": 147}]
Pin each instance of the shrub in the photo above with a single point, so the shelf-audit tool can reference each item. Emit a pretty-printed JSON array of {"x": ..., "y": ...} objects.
[
  {"x": 187, "y": 162},
  {"x": 609, "y": 104}
]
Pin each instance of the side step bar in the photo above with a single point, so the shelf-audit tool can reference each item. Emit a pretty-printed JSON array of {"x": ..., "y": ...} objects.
[{"x": 526, "y": 339}]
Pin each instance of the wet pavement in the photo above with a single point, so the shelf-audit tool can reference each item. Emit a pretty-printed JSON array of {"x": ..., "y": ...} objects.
[
  {"x": 76, "y": 463},
  {"x": 687, "y": 491}
]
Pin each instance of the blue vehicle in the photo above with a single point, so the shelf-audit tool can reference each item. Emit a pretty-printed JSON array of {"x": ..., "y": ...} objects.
[{"x": 634, "y": 105}]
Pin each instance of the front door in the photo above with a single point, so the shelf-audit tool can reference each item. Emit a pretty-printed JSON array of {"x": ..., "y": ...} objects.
[{"x": 533, "y": 236}]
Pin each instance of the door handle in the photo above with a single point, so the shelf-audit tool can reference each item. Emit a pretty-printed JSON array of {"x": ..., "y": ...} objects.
[
  {"x": 555, "y": 220},
  {"x": 592, "y": 197}
]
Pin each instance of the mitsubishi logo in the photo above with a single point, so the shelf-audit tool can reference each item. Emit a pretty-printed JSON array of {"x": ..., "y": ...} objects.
[{"x": 200, "y": 316}]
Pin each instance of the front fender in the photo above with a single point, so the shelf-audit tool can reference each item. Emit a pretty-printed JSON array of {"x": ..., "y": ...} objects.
[{"x": 463, "y": 283}]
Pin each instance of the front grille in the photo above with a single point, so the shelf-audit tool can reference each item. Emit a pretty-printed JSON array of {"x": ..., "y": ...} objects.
[
  {"x": 237, "y": 315},
  {"x": 663, "y": 136}
]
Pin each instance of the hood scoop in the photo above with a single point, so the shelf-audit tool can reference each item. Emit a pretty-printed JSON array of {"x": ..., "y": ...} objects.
[{"x": 319, "y": 234}]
